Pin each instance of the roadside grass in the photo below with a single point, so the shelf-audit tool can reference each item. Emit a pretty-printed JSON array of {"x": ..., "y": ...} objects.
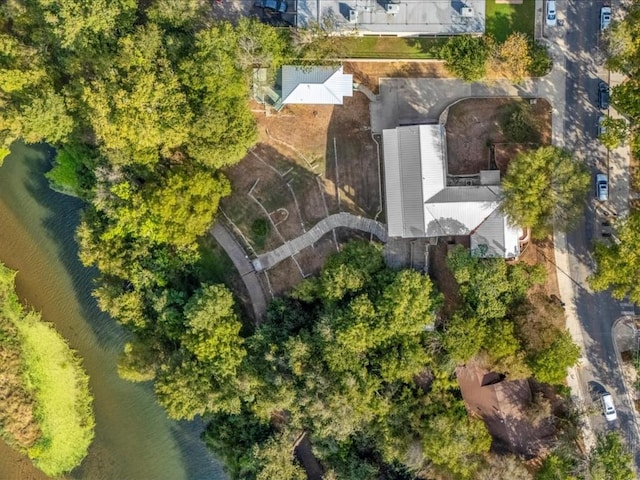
[
  {"x": 391, "y": 47},
  {"x": 503, "y": 19},
  {"x": 54, "y": 376}
]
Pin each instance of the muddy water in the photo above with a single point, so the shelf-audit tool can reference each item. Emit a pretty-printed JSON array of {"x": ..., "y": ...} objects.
[{"x": 134, "y": 439}]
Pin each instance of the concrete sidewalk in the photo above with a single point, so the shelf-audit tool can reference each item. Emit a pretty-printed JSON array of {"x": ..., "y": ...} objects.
[{"x": 249, "y": 276}]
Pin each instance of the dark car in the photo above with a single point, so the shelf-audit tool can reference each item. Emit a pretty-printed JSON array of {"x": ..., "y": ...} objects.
[
  {"x": 279, "y": 6},
  {"x": 603, "y": 95}
]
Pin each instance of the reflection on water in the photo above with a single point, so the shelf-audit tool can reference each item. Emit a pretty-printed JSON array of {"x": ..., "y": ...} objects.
[{"x": 134, "y": 439}]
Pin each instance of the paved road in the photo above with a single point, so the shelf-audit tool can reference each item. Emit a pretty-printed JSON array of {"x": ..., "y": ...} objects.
[{"x": 579, "y": 39}]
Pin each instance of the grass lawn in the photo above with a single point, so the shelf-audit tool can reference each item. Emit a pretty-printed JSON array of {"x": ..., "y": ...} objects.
[
  {"x": 390, "y": 47},
  {"x": 503, "y": 19}
]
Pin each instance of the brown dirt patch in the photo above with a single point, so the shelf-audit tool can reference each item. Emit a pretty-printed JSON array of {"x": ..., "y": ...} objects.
[
  {"x": 352, "y": 157},
  {"x": 370, "y": 73},
  {"x": 475, "y": 125},
  {"x": 542, "y": 252},
  {"x": 294, "y": 165},
  {"x": 283, "y": 277}
]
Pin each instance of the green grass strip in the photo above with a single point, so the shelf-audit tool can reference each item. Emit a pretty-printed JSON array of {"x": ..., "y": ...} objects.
[{"x": 390, "y": 47}]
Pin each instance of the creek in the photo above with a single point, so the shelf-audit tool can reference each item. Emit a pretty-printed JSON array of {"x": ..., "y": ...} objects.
[{"x": 134, "y": 438}]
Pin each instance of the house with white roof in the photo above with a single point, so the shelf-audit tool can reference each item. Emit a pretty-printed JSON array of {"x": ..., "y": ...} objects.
[
  {"x": 310, "y": 85},
  {"x": 395, "y": 17},
  {"x": 319, "y": 85},
  {"x": 421, "y": 202}
]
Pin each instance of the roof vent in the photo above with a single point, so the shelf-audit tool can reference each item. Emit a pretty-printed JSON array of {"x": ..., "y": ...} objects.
[
  {"x": 393, "y": 8},
  {"x": 353, "y": 16},
  {"x": 466, "y": 12}
]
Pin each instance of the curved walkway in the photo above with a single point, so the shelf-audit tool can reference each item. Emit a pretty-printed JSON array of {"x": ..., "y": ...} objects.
[
  {"x": 324, "y": 226},
  {"x": 249, "y": 276}
]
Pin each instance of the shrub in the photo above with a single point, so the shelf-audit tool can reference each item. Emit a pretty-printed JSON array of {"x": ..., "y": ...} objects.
[
  {"x": 541, "y": 62},
  {"x": 466, "y": 57},
  {"x": 259, "y": 230}
]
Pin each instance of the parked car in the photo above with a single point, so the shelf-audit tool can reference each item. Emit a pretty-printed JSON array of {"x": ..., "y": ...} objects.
[
  {"x": 607, "y": 405},
  {"x": 601, "y": 127},
  {"x": 605, "y": 17},
  {"x": 603, "y": 95},
  {"x": 279, "y": 6},
  {"x": 602, "y": 187},
  {"x": 552, "y": 19}
]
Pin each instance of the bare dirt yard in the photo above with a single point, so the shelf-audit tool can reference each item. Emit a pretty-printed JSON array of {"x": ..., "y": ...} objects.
[
  {"x": 310, "y": 162},
  {"x": 369, "y": 73},
  {"x": 485, "y": 133}
]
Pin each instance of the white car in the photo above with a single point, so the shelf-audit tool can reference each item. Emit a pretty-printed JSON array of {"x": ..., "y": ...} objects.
[
  {"x": 552, "y": 18},
  {"x": 607, "y": 405},
  {"x": 601, "y": 127},
  {"x": 605, "y": 17},
  {"x": 602, "y": 187}
]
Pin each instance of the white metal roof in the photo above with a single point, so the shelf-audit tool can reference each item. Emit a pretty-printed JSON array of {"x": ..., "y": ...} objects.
[
  {"x": 315, "y": 85},
  {"x": 496, "y": 237},
  {"x": 420, "y": 204}
]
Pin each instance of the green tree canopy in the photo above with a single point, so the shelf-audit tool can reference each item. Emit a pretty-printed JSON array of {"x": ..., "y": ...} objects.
[
  {"x": 610, "y": 459},
  {"x": 617, "y": 263},
  {"x": 614, "y": 132},
  {"x": 466, "y": 56},
  {"x": 213, "y": 330},
  {"x": 544, "y": 189},
  {"x": 457, "y": 442}
]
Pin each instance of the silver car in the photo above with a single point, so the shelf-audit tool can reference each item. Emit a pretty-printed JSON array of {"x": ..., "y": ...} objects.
[
  {"x": 605, "y": 17},
  {"x": 607, "y": 405},
  {"x": 552, "y": 16},
  {"x": 602, "y": 187}
]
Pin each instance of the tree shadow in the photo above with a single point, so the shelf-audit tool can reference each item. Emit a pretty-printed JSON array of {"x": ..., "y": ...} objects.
[
  {"x": 352, "y": 158},
  {"x": 60, "y": 224}
]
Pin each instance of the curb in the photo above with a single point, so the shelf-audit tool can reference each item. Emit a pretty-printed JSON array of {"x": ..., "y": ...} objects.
[{"x": 634, "y": 413}]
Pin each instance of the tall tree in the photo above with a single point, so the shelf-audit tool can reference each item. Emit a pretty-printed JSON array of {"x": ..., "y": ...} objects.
[
  {"x": 610, "y": 459},
  {"x": 544, "y": 189},
  {"x": 617, "y": 263},
  {"x": 213, "y": 330}
]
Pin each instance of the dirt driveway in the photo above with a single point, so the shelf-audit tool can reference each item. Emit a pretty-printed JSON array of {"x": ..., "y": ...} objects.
[{"x": 478, "y": 127}]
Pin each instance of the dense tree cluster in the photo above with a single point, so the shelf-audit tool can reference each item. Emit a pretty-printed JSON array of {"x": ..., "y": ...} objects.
[
  {"x": 610, "y": 458},
  {"x": 472, "y": 58},
  {"x": 514, "y": 332},
  {"x": 339, "y": 360},
  {"x": 350, "y": 361},
  {"x": 145, "y": 102}
]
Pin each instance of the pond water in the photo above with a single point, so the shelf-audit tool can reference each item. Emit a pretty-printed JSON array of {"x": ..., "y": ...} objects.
[{"x": 134, "y": 439}]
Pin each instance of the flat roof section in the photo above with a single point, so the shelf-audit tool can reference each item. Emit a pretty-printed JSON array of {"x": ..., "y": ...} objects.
[{"x": 397, "y": 17}]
